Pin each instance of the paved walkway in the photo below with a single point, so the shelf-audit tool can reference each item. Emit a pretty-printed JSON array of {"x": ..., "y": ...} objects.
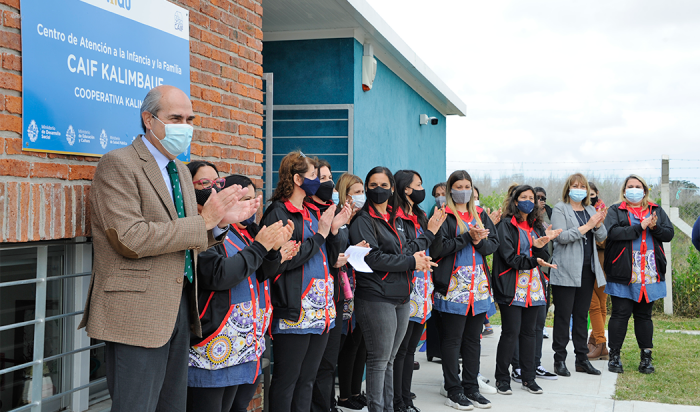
[{"x": 580, "y": 392}]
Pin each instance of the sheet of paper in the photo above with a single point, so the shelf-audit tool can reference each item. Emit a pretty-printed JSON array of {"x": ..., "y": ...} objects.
[{"x": 356, "y": 257}]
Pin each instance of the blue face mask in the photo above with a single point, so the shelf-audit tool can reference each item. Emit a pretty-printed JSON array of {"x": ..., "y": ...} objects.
[
  {"x": 177, "y": 137},
  {"x": 577, "y": 195},
  {"x": 335, "y": 197},
  {"x": 634, "y": 195},
  {"x": 310, "y": 186},
  {"x": 248, "y": 221},
  {"x": 525, "y": 206},
  {"x": 359, "y": 200},
  {"x": 477, "y": 203}
]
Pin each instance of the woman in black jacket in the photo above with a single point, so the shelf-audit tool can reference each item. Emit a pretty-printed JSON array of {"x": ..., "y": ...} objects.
[
  {"x": 234, "y": 303},
  {"x": 381, "y": 297},
  {"x": 420, "y": 233},
  {"x": 518, "y": 284},
  {"x": 635, "y": 265},
  {"x": 324, "y": 387},
  {"x": 302, "y": 291},
  {"x": 463, "y": 290}
]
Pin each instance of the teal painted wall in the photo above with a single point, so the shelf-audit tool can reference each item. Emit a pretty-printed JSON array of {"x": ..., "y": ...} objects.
[
  {"x": 310, "y": 71},
  {"x": 387, "y": 130}
]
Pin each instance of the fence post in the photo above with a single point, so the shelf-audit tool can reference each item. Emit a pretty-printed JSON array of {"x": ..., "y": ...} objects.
[{"x": 666, "y": 206}]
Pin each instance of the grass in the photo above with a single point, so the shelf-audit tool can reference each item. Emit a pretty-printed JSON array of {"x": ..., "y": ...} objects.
[{"x": 676, "y": 357}]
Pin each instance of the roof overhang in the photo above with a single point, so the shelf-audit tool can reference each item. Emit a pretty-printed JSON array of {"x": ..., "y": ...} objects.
[{"x": 328, "y": 19}]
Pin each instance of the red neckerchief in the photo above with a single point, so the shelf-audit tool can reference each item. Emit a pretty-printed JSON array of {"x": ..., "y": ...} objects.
[
  {"x": 400, "y": 213},
  {"x": 304, "y": 211}
]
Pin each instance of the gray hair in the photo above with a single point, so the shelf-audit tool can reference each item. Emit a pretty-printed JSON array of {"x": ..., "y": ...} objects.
[{"x": 151, "y": 104}]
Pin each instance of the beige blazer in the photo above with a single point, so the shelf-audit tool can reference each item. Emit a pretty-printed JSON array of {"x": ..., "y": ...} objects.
[{"x": 139, "y": 250}]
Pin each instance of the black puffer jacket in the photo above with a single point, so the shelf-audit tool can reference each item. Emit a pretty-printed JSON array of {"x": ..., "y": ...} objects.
[
  {"x": 618, "y": 246},
  {"x": 218, "y": 273},
  {"x": 392, "y": 278},
  {"x": 452, "y": 243},
  {"x": 286, "y": 288},
  {"x": 508, "y": 261}
]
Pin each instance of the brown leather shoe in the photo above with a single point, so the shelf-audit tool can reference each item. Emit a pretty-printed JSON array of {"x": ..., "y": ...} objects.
[
  {"x": 594, "y": 351},
  {"x": 604, "y": 355}
]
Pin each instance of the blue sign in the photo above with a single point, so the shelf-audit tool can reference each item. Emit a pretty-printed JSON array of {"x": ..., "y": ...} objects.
[{"x": 88, "y": 64}]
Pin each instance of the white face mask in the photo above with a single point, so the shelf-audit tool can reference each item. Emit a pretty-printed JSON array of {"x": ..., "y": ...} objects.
[
  {"x": 359, "y": 200},
  {"x": 476, "y": 203},
  {"x": 177, "y": 137}
]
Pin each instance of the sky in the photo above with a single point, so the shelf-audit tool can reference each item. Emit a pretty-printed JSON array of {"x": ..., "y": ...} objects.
[{"x": 556, "y": 87}]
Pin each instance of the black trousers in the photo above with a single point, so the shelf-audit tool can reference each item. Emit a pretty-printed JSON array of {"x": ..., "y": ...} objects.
[
  {"x": 461, "y": 334},
  {"x": 403, "y": 365},
  {"x": 622, "y": 309},
  {"x": 324, "y": 386},
  {"x": 297, "y": 358},
  {"x": 151, "y": 379},
  {"x": 539, "y": 336},
  {"x": 517, "y": 324},
  {"x": 351, "y": 364},
  {"x": 226, "y": 399},
  {"x": 568, "y": 302}
]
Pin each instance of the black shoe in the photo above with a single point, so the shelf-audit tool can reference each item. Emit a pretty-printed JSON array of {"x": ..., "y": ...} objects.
[
  {"x": 503, "y": 387},
  {"x": 416, "y": 366},
  {"x": 361, "y": 399},
  {"x": 560, "y": 368},
  {"x": 532, "y": 387},
  {"x": 516, "y": 376},
  {"x": 585, "y": 366},
  {"x": 351, "y": 403},
  {"x": 645, "y": 365},
  {"x": 412, "y": 408},
  {"x": 413, "y": 395},
  {"x": 615, "y": 364},
  {"x": 478, "y": 400},
  {"x": 459, "y": 402},
  {"x": 399, "y": 409}
]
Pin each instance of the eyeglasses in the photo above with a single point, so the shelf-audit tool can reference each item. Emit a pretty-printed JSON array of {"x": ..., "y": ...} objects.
[
  {"x": 207, "y": 184},
  {"x": 544, "y": 199}
]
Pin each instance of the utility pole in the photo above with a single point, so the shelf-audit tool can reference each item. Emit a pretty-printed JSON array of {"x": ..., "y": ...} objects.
[{"x": 666, "y": 206}]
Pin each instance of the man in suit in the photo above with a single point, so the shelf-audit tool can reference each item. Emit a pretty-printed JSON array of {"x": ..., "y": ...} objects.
[{"x": 146, "y": 237}]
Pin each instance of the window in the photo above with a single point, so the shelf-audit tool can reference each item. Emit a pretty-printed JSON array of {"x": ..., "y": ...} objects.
[{"x": 45, "y": 362}]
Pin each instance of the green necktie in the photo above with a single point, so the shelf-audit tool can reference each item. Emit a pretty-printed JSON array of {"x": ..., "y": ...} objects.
[{"x": 180, "y": 207}]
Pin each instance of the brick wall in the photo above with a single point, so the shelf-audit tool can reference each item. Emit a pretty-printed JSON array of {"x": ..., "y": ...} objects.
[{"x": 44, "y": 196}]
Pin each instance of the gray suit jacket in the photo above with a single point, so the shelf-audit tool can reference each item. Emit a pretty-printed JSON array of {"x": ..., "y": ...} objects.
[{"x": 568, "y": 247}]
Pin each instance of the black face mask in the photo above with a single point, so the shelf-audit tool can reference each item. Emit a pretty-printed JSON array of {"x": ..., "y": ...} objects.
[
  {"x": 594, "y": 200},
  {"x": 202, "y": 195},
  {"x": 325, "y": 191},
  {"x": 378, "y": 195},
  {"x": 417, "y": 196}
]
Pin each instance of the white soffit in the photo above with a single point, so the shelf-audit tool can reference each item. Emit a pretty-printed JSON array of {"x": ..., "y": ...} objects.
[{"x": 327, "y": 19}]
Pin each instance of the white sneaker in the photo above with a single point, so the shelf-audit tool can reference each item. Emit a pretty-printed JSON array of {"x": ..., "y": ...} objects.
[
  {"x": 443, "y": 391},
  {"x": 545, "y": 334},
  {"x": 484, "y": 387}
]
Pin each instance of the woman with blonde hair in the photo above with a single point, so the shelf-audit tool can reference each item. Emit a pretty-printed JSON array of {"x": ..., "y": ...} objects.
[
  {"x": 636, "y": 267},
  {"x": 463, "y": 290},
  {"x": 353, "y": 353},
  {"x": 578, "y": 268}
]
